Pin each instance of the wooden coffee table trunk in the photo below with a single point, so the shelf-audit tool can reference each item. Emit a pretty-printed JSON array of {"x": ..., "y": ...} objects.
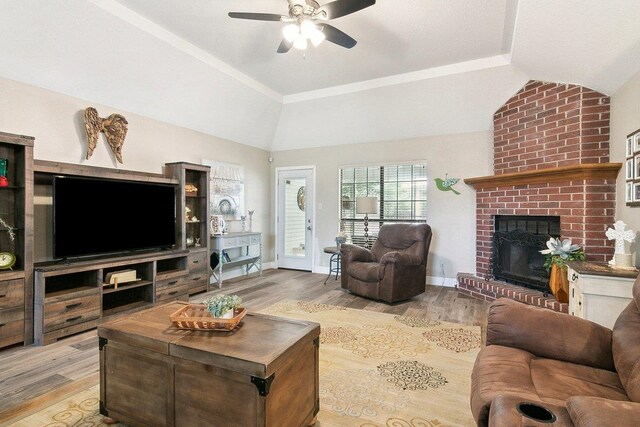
[{"x": 264, "y": 373}]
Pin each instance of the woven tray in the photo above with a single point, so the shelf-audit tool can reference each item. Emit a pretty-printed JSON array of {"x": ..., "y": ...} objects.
[{"x": 197, "y": 317}]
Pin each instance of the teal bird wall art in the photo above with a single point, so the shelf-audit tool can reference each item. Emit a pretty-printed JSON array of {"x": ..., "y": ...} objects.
[{"x": 447, "y": 184}]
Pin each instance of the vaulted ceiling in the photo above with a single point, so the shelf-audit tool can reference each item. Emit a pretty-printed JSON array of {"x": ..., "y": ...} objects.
[{"x": 420, "y": 67}]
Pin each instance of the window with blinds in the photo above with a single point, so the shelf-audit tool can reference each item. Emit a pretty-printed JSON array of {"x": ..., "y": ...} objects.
[{"x": 401, "y": 191}]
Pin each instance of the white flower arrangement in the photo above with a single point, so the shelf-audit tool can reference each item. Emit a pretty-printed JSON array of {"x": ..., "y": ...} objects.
[{"x": 559, "y": 252}]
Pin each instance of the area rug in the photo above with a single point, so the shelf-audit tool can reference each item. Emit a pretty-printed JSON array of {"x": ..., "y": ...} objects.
[
  {"x": 79, "y": 410},
  {"x": 376, "y": 370},
  {"x": 379, "y": 370}
]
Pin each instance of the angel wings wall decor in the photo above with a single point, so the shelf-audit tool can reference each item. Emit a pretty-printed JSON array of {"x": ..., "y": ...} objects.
[{"x": 114, "y": 128}]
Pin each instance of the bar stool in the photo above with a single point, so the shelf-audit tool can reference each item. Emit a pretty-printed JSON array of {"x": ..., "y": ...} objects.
[{"x": 334, "y": 261}]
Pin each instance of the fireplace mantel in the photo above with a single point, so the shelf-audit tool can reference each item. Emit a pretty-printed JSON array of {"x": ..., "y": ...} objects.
[{"x": 539, "y": 176}]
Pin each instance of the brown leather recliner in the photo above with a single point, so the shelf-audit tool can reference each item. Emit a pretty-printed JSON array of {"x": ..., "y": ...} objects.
[
  {"x": 395, "y": 267},
  {"x": 587, "y": 374}
]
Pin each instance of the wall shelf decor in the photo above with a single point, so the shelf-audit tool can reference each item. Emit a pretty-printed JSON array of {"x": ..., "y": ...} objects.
[{"x": 632, "y": 169}]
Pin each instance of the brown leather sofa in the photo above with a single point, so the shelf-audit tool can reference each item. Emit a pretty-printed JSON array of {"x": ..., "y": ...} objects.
[
  {"x": 395, "y": 268},
  {"x": 586, "y": 374}
]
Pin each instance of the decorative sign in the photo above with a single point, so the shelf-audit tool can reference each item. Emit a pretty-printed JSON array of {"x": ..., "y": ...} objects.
[{"x": 227, "y": 189}]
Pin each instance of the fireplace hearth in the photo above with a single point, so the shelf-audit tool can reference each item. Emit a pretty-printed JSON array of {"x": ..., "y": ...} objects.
[{"x": 517, "y": 241}]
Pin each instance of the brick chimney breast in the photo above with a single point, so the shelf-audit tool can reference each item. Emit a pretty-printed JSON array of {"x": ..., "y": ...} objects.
[{"x": 550, "y": 125}]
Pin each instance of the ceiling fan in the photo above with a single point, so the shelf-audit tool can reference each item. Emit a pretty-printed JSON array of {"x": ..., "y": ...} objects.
[{"x": 307, "y": 22}]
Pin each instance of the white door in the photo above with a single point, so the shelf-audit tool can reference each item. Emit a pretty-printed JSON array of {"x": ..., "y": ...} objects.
[{"x": 295, "y": 218}]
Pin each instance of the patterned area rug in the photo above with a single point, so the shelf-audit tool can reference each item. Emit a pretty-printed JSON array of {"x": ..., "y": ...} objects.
[
  {"x": 381, "y": 370},
  {"x": 80, "y": 410},
  {"x": 376, "y": 370}
]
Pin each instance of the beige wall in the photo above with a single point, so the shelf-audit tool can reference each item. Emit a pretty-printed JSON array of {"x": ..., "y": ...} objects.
[
  {"x": 55, "y": 120},
  {"x": 451, "y": 217},
  {"x": 625, "y": 119}
]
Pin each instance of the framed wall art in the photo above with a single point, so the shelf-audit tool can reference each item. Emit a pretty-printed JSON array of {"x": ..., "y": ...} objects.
[
  {"x": 227, "y": 189},
  {"x": 632, "y": 169}
]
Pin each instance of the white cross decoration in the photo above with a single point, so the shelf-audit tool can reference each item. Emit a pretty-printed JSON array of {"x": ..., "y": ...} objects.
[{"x": 619, "y": 234}]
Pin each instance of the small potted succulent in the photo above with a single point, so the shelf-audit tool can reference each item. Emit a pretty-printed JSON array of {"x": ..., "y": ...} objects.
[
  {"x": 556, "y": 256},
  {"x": 222, "y": 306}
]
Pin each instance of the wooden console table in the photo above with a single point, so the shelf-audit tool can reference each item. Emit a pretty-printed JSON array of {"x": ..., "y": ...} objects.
[
  {"x": 264, "y": 373},
  {"x": 242, "y": 240},
  {"x": 598, "y": 292}
]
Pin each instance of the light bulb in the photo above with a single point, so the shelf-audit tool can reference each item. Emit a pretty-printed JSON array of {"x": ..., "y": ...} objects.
[
  {"x": 307, "y": 28},
  {"x": 290, "y": 32},
  {"x": 316, "y": 37},
  {"x": 300, "y": 42}
]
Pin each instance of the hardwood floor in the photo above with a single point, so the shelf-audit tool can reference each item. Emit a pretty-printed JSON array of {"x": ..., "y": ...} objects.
[{"x": 34, "y": 377}]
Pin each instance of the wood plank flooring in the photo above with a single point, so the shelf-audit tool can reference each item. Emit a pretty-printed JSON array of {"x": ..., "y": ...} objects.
[{"x": 34, "y": 377}]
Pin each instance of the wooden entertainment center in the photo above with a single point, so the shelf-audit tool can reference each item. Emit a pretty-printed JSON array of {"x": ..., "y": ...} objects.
[{"x": 45, "y": 301}]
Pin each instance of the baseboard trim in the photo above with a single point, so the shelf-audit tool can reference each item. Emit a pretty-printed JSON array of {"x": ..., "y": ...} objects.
[{"x": 449, "y": 282}]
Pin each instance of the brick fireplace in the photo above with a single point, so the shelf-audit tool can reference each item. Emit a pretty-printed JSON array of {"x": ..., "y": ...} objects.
[{"x": 551, "y": 158}]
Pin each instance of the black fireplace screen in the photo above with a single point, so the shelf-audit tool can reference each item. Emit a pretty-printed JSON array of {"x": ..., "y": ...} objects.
[{"x": 517, "y": 241}]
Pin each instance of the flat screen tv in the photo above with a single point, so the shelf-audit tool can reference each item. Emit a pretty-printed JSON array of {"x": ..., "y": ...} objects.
[{"x": 99, "y": 216}]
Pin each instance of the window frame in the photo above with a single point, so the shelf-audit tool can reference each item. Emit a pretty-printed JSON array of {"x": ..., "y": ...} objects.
[{"x": 354, "y": 226}]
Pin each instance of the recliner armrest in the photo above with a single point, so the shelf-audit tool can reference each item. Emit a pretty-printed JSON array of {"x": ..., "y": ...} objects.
[
  {"x": 400, "y": 258},
  {"x": 549, "y": 334},
  {"x": 356, "y": 253},
  {"x": 588, "y": 411}
]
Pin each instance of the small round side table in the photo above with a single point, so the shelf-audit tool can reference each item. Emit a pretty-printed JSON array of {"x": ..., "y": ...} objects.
[{"x": 334, "y": 261}]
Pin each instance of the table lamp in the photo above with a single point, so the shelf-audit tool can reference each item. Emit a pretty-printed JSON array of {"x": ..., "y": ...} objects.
[{"x": 366, "y": 205}]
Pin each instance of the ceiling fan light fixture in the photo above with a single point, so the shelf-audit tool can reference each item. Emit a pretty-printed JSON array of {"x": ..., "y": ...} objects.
[
  {"x": 291, "y": 32},
  {"x": 317, "y": 37},
  {"x": 300, "y": 42},
  {"x": 307, "y": 28}
]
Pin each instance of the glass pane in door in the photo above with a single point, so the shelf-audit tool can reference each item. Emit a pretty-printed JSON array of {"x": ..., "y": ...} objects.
[{"x": 295, "y": 224}]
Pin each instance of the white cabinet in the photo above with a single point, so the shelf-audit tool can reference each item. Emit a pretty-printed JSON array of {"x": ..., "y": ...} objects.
[{"x": 598, "y": 292}]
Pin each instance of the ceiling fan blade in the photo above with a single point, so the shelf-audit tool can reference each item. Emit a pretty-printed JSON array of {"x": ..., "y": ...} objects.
[
  {"x": 285, "y": 46},
  {"x": 256, "y": 16},
  {"x": 336, "y": 36},
  {"x": 339, "y": 8}
]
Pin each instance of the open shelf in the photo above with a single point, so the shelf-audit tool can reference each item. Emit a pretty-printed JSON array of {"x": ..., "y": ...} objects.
[
  {"x": 72, "y": 282},
  {"x": 125, "y": 308},
  {"x": 242, "y": 260},
  {"x": 80, "y": 290},
  {"x": 138, "y": 296},
  {"x": 125, "y": 286},
  {"x": 171, "y": 267}
]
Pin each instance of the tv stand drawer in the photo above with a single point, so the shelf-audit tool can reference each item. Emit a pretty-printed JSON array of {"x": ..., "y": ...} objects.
[
  {"x": 11, "y": 326},
  {"x": 72, "y": 306},
  {"x": 72, "y": 311},
  {"x": 11, "y": 293}
]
